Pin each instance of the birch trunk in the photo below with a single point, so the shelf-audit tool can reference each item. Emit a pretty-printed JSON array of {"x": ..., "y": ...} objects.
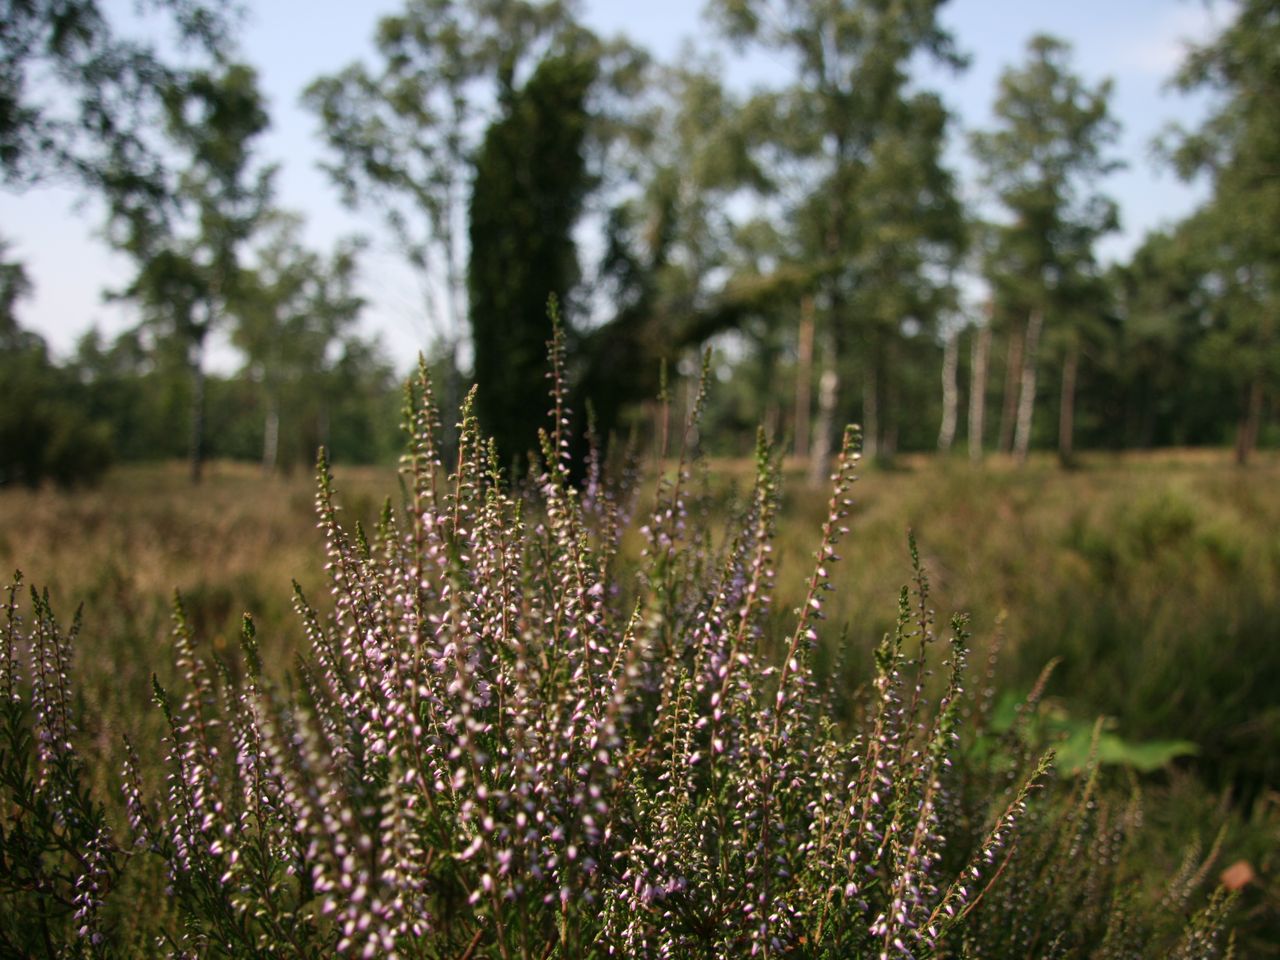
[
  {"x": 1009, "y": 402},
  {"x": 1027, "y": 389},
  {"x": 950, "y": 393},
  {"x": 804, "y": 380},
  {"x": 197, "y": 412},
  {"x": 978, "y": 391},
  {"x": 828, "y": 384},
  {"x": 1067, "y": 407}
]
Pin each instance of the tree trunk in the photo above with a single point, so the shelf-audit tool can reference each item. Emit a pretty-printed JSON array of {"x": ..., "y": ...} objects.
[
  {"x": 197, "y": 412},
  {"x": 804, "y": 379},
  {"x": 1067, "y": 407},
  {"x": 271, "y": 437},
  {"x": 1009, "y": 403},
  {"x": 950, "y": 393},
  {"x": 833, "y": 341},
  {"x": 828, "y": 384},
  {"x": 1250, "y": 423},
  {"x": 871, "y": 412},
  {"x": 889, "y": 405},
  {"x": 1027, "y": 389},
  {"x": 978, "y": 391}
]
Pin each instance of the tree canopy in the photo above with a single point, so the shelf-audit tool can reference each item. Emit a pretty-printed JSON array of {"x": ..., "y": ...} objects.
[
  {"x": 1238, "y": 150},
  {"x": 812, "y": 229}
]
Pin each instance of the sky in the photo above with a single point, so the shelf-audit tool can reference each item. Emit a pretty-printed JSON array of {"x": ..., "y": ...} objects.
[{"x": 1137, "y": 43}]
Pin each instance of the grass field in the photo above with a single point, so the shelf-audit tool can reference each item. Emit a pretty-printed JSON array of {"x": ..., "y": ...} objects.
[{"x": 1154, "y": 578}]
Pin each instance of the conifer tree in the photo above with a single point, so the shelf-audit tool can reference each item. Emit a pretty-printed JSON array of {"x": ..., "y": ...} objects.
[{"x": 531, "y": 180}]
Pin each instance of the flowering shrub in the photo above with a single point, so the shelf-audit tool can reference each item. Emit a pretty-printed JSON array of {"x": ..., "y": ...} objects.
[
  {"x": 57, "y": 857},
  {"x": 511, "y": 739}
]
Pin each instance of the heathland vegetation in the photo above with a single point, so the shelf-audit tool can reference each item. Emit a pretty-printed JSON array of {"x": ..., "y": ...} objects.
[
  {"x": 637, "y": 718},
  {"x": 639, "y": 676}
]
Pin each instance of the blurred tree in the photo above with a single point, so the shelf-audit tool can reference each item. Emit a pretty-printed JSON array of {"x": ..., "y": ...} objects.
[
  {"x": 913, "y": 238},
  {"x": 23, "y": 368},
  {"x": 15, "y": 286},
  {"x": 1151, "y": 387},
  {"x": 294, "y": 311},
  {"x": 1042, "y": 162},
  {"x": 189, "y": 232},
  {"x": 857, "y": 161},
  {"x": 79, "y": 99},
  {"x": 671, "y": 242},
  {"x": 363, "y": 403},
  {"x": 1238, "y": 149},
  {"x": 408, "y": 137},
  {"x": 530, "y": 184},
  {"x": 405, "y": 137},
  {"x": 979, "y": 357},
  {"x": 139, "y": 389},
  {"x": 44, "y": 432}
]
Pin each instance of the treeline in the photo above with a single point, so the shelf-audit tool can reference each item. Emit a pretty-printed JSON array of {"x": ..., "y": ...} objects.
[
  {"x": 811, "y": 232},
  {"x": 1154, "y": 369},
  {"x": 133, "y": 398}
]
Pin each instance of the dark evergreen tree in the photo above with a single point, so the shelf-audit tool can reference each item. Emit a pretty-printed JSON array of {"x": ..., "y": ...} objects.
[{"x": 530, "y": 183}]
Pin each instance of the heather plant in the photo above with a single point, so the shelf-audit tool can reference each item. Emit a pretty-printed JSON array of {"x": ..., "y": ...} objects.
[
  {"x": 58, "y": 858},
  {"x": 509, "y": 738},
  {"x": 1071, "y": 884}
]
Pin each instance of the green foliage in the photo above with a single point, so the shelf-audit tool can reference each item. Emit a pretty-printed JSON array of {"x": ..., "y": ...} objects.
[
  {"x": 109, "y": 86},
  {"x": 44, "y": 431},
  {"x": 530, "y": 184},
  {"x": 1157, "y": 373},
  {"x": 1080, "y": 743},
  {"x": 1043, "y": 162},
  {"x": 1129, "y": 654},
  {"x": 1236, "y": 149}
]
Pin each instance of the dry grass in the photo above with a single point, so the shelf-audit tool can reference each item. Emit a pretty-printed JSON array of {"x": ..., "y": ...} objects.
[{"x": 1134, "y": 569}]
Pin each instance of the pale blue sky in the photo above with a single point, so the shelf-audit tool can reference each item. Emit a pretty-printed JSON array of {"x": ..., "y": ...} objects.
[{"x": 1136, "y": 42}]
